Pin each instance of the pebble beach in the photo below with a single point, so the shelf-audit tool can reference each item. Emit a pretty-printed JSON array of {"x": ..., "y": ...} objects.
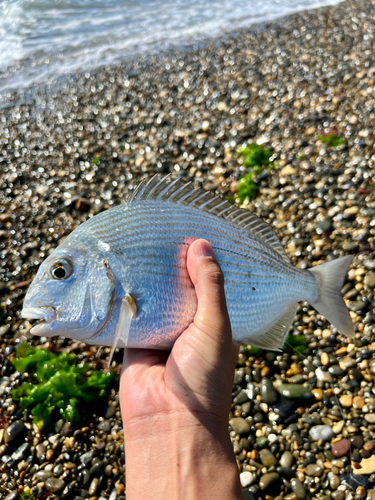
[{"x": 302, "y": 425}]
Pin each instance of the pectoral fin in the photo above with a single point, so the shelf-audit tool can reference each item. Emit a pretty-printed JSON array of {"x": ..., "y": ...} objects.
[{"x": 128, "y": 310}]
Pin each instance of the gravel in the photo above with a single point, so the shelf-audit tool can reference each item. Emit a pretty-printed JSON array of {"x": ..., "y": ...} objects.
[{"x": 73, "y": 150}]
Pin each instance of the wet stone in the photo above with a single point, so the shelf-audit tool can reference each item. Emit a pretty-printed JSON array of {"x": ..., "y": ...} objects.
[
  {"x": 16, "y": 429},
  {"x": 298, "y": 488},
  {"x": 22, "y": 452},
  {"x": 336, "y": 371},
  {"x": 246, "y": 407},
  {"x": 323, "y": 376},
  {"x": 239, "y": 425},
  {"x": 369, "y": 264},
  {"x": 341, "y": 448},
  {"x": 97, "y": 468},
  {"x": 86, "y": 458},
  {"x": 58, "y": 470},
  {"x": 248, "y": 495},
  {"x": 297, "y": 379},
  {"x": 84, "y": 476},
  {"x": 40, "y": 451},
  {"x": 67, "y": 429},
  {"x": 323, "y": 432},
  {"x": 238, "y": 376},
  {"x": 262, "y": 442},
  {"x": 357, "y": 441},
  {"x": 268, "y": 392},
  {"x": 258, "y": 417},
  {"x": 355, "y": 374},
  {"x": 286, "y": 472},
  {"x": 109, "y": 411},
  {"x": 43, "y": 475},
  {"x": 338, "y": 495},
  {"x": 294, "y": 391},
  {"x": 268, "y": 479},
  {"x": 267, "y": 459},
  {"x": 108, "y": 468},
  {"x": 104, "y": 426},
  {"x": 54, "y": 485},
  {"x": 94, "y": 486},
  {"x": 334, "y": 482},
  {"x": 13, "y": 495},
  {"x": 358, "y": 305},
  {"x": 286, "y": 459},
  {"x": 313, "y": 470},
  {"x": 369, "y": 446},
  {"x": 285, "y": 408},
  {"x": 241, "y": 397},
  {"x": 370, "y": 279}
]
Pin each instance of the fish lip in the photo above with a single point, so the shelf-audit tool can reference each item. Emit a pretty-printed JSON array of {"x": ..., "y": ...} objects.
[{"x": 46, "y": 313}]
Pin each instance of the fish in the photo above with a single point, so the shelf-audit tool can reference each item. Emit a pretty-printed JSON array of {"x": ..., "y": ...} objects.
[{"x": 120, "y": 278}]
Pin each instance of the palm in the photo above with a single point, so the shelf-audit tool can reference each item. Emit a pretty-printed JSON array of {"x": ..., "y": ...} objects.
[{"x": 187, "y": 379}]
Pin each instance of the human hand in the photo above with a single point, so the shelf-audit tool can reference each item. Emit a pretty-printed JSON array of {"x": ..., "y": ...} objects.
[{"x": 175, "y": 405}]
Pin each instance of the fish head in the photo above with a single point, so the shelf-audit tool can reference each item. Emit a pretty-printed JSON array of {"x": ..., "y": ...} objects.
[{"x": 71, "y": 294}]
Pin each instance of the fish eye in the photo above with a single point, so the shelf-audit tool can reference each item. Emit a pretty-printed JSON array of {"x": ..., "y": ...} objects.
[{"x": 60, "y": 270}]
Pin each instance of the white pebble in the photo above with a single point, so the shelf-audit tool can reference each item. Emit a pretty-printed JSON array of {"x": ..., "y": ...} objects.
[
  {"x": 324, "y": 432},
  {"x": 246, "y": 478},
  {"x": 272, "y": 438},
  {"x": 323, "y": 376}
]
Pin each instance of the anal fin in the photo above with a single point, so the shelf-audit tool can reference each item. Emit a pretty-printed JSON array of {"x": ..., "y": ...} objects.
[
  {"x": 128, "y": 310},
  {"x": 274, "y": 338}
]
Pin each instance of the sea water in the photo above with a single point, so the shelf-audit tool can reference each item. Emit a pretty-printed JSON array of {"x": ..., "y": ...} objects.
[{"x": 41, "y": 40}]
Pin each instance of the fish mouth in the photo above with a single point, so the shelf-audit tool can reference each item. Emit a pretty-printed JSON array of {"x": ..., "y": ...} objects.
[{"x": 46, "y": 314}]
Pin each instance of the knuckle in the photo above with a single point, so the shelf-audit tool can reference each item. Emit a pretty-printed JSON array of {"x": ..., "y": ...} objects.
[{"x": 215, "y": 275}]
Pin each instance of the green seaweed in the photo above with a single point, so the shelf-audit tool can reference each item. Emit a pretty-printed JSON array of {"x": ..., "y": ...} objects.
[
  {"x": 96, "y": 160},
  {"x": 57, "y": 384},
  {"x": 297, "y": 343},
  {"x": 333, "y": 140},
  {"x": 255, "y": 155},
  {"x": 251, "y": 350},
  {"x": 27, "y": 495},
  {"x": 257, "y": 159}
]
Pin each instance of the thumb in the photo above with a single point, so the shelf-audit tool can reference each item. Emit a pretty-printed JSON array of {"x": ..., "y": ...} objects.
[{"x": 212, "y": 315}]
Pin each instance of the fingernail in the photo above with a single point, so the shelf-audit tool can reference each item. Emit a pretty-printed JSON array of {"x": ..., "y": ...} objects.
[{"x": 204, "y": 249}]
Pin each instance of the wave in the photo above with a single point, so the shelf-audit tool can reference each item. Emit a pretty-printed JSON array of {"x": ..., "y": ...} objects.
[{"x": 42, "y": 40}]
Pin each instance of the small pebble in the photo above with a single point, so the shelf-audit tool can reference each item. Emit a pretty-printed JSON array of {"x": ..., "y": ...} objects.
[
  {"x": 15, "y": 430},
  {"x": 55, "y": 485},
  {"x": 298, "y": 488},
  {"x": 268, "y": 479},
  {"x": 239, "y": 425},
  {"x": 323, "y": 432},
  {"x": 286, "y": 459},
  {"x": 246, "y": 478},
  {"x": 341, "y": 448},
  {"x": 294, "y": 391}
]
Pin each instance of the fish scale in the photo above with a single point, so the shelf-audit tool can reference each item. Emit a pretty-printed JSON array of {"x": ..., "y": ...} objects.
[
  {"x": 247, "y": 266},
  {"x": 139, "y": 250}
]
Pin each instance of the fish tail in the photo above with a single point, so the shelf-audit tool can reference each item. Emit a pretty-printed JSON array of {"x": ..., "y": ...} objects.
[{"x": 330, "y": 303}]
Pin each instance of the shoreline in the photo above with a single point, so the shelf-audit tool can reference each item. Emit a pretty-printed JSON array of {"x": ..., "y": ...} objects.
[
  {"x": 77, "y": 150},
  {"x": 142, "y": 60}
]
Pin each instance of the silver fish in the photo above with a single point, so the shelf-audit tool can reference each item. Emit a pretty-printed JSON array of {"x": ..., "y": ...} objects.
[{"x": 121, "y": 278}]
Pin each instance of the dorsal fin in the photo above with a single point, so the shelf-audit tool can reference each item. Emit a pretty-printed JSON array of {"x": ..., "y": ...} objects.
[{"x": 163, "y": 188}]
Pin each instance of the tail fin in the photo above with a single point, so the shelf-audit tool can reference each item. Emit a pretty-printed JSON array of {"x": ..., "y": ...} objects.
[{"x": 330, "y": 303}]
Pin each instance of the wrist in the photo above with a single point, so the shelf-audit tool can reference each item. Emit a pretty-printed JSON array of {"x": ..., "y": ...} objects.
[{"x": 178, "y": 456}]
